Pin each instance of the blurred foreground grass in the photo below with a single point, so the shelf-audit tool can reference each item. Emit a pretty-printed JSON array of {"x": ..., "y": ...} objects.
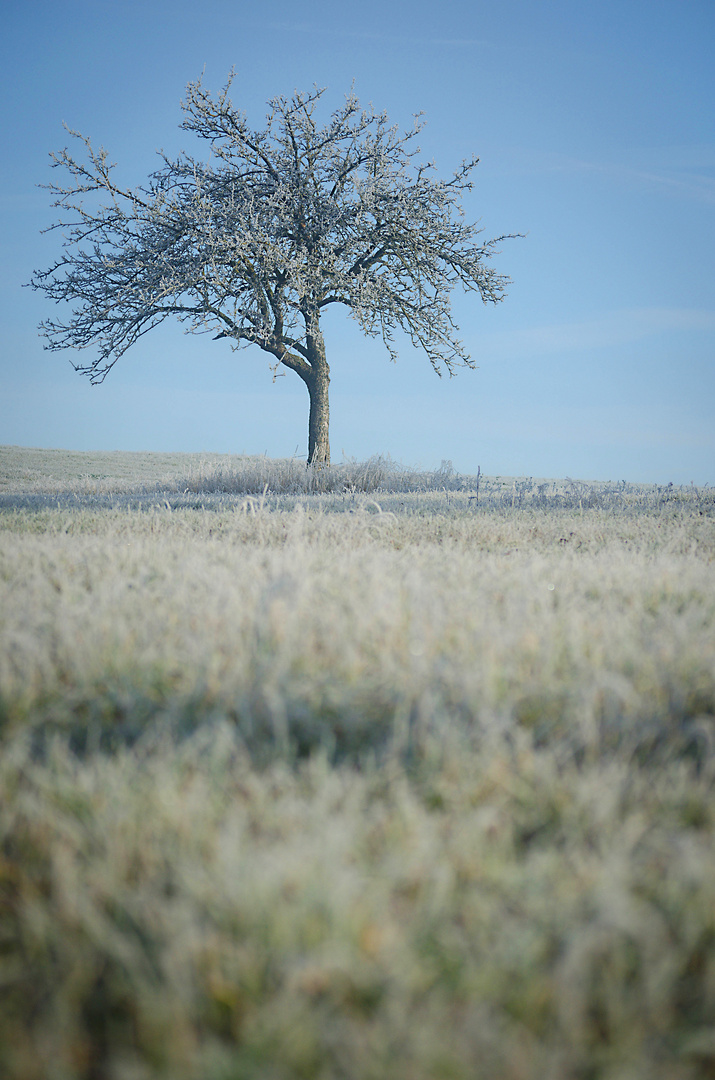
[{"x": 363, "y": 783}]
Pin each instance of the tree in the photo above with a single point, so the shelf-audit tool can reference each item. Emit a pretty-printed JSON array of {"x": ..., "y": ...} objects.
[{"x": 255, "y": 244}]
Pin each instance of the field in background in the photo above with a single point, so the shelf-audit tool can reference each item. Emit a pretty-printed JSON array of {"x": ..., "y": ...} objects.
[
  {"x": 29, "y": 477},
  {"x": 367, "y": 773}
]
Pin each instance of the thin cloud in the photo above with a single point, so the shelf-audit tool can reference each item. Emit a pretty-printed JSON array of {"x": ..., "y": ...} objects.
[
  {"x": 369, "y": 35},
  {"x": 613, "y": 329},
  {"x": 692, "y": 184},
  {"x": 687, "y": 173}
]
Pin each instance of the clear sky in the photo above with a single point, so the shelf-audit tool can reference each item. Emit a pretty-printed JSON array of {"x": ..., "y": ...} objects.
[{"x": 595, "y": 127}]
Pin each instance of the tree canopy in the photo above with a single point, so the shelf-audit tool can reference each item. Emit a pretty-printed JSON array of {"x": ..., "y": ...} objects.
[{"x": 255, "y": 243}]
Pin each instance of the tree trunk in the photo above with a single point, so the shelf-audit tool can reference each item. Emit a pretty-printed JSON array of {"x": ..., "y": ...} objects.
[
  {"x": 318, "y": 383},
  {"x": 319, "y": 420}
]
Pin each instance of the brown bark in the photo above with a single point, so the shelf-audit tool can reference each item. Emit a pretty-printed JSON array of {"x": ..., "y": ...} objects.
[
  {"x": 318, "y": 383},
  {"x": 318, "y": 423}
]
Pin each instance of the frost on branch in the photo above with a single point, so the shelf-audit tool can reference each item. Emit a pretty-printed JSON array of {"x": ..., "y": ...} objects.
[{"x": 253, "y": 244}]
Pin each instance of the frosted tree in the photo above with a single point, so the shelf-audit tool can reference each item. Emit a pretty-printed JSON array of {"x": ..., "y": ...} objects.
[{"x": 256, "y": 243}]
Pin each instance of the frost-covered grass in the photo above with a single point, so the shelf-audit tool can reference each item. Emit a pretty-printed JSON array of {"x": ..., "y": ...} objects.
[
  {"x": 356, "y": 782},
  {"x": 36, "y": 478},
  {"x": 80, "y": 474}
]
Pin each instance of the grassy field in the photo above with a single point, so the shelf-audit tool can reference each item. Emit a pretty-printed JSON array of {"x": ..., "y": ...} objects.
[{"x": 363, "y": 774}]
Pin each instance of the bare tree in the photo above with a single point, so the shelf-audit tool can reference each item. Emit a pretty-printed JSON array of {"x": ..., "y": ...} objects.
[{"x": 256, "y": 243}]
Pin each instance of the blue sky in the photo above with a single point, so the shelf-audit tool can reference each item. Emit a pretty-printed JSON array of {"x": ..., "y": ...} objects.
[{"x": 595, "y": 127}]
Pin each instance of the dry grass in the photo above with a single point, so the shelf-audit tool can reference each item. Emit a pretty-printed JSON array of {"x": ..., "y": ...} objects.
[{"x": 357, "y": 783}]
